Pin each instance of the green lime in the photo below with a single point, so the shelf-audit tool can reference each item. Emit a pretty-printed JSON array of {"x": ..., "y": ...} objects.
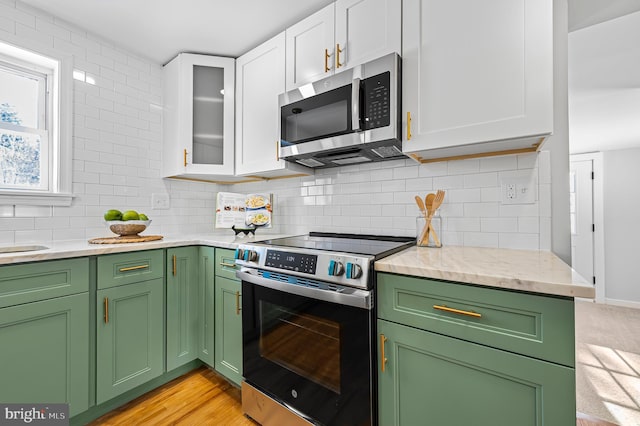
[
  {"x": 113, "y": 215},
  {"x": 130, "y": 215},
  {"x": 143, "y": 216}
]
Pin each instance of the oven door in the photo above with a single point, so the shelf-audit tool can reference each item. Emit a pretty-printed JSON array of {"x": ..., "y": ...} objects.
[{"x": 311, "y": 355}]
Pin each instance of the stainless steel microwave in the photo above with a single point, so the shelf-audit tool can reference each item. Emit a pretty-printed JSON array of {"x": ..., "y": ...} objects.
[{"x": 348, "y": 118}]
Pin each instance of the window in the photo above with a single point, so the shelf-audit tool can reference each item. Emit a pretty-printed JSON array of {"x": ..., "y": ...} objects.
[{"x": 35, "y": 145}]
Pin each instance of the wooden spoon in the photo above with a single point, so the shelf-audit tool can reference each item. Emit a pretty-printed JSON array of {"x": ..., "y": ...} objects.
[
  {"x": 421, "y": 205},
  {"x": 437, "y": 201},
  {"x": 428, "y": 201}
]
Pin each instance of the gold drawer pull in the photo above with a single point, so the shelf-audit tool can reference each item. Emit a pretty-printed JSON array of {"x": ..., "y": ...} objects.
[
  {"x": 133, "y": 268},
  {"x": 185, "y": 157},
  {"x": 383, "y": 359},
  {"x": 228, "y": 265},
  {"x": 408, "y": 125},
  {"x": 175, "y": 266},
  {"x": 106, "y": 310},
  {"x": 238, "y": 303},
  {"x": 457, "y": 311}
]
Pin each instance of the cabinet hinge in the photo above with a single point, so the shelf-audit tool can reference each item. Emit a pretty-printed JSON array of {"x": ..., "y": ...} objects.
[
  {"x": 594, "y": 280},
  {"x": 593, "y": 227},
  {"x": 592, "y": 175}
]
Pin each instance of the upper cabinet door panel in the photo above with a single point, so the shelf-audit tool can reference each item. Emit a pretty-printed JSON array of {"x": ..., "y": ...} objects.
[
  {"x": 366, "y": 30},
  {"x": 198, "y": 121},
  {"x": 478, "y": 76},
  {"x": 310, "y": 48},
  {"x": 260, "y": 76}
]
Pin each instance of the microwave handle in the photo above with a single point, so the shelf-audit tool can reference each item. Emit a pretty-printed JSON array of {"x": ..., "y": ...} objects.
[{"x": 355, "y": 104}]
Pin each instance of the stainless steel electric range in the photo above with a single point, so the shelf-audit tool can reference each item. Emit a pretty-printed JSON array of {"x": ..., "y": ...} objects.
[{"x": 308, "y": 326}]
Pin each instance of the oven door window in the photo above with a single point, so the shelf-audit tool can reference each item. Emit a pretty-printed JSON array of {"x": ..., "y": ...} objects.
[
  {"x": 319, "y": 116},
  {"x": 312, "y": 355},
  {"x": 304, "y": 344}
]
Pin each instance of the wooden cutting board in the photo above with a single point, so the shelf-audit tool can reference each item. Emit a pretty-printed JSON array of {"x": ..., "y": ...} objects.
[{"x": 125, "y": 239}]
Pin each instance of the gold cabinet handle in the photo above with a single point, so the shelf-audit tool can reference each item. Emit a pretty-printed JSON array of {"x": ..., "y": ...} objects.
[
  {"x": 133, "y": 268},
  {"x": 277, "y": 150},
  {"x": 228, "y": 265},
  {"x": 238, "y": 303},
  {"x": 185, "y": 157},
  {"x": 408, "y": 125},
  {"x": 326, "y": 60},
  {"x": 383, "y": 359},
  {"x": 338, "y": 52},
  {"x": 457, "y": 311},
  {"x": 174, "y": 260},
  {"x": 106, "y": 310}
]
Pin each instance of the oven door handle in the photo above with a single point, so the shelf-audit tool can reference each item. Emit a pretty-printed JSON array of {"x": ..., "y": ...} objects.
[{"x": 350, "y": 296}]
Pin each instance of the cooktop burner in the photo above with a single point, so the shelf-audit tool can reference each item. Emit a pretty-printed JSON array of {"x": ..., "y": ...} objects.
[{"x": 378, "y": 246}]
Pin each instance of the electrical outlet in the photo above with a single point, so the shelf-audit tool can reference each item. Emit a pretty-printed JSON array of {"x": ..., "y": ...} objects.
[
  {"x": 159, "y": 201},
  {"x": 518, "y": 190}
]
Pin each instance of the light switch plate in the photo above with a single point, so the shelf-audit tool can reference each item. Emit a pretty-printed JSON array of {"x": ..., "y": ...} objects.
[{"x": 160, "y": 201}]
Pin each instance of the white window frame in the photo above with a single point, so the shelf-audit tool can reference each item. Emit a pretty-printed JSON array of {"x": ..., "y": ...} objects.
[{"x": 59, "y": 70}]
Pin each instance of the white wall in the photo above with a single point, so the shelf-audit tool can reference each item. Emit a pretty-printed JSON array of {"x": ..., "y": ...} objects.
[
  {"x": 622, "y": 224},
  {"x": 117, "y": 141}
]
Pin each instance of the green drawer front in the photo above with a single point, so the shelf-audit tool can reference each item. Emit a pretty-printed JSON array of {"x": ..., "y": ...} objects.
[
  {"x": 30, "y": 282},
  {"x": 127, "y": 268},
  {"x": 538, "y": 326},
  {"x": 225, "y": 263}
]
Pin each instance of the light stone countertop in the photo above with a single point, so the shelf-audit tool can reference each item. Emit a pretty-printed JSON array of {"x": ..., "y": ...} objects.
[
  {"x": 533, "y": 271},
  {"x": 80, "y": 248}
]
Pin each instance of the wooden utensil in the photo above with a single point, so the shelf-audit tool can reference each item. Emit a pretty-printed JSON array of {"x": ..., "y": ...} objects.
[
  {"x": 421, "y": 205},
  {"x": 424, "y": 235},
  {"x": 434, "y": 205}
]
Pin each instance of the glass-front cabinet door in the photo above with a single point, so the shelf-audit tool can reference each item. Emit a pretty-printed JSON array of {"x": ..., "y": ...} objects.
[{"x": 198, "y": 117}]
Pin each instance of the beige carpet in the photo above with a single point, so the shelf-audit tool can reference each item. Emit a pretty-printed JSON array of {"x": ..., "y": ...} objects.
[{"x": 608, "y": 362}]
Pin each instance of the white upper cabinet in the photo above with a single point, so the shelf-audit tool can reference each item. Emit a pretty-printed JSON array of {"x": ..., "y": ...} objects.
[
  {"x": 477, "y": 77},
  {"x": 260, "y": 78},
  {"x": 343, "y": 34},
  {"x": 198, "y": 120}
]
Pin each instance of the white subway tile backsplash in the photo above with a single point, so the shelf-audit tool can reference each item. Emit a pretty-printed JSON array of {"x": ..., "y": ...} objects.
[
  {"x": 503, "y": 162},
  {"x": 463, "y": 167},
  {"x": 481, "y": 180},
  {"x": 499, "y": 224},
  {"x": 481, "y": 239}
]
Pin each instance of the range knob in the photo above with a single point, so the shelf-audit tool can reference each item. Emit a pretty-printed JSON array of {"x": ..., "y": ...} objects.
[
  {"x": 353, "y": 270},
  {"x": 239, "y": 254},
  {"x": 250, "y": 255},
  {"x": 335, "y": 268}
]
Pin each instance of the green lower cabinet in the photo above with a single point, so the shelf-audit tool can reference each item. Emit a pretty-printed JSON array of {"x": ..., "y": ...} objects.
[
  {"x": 431, "y": 379},
  {"x": 129, "y": 337},
  {"x": 44, "y": 355},
  {"x": 182, "y": 306},
  {"x": 228, "y": 324},
  {"x": 206, "y": 306}
]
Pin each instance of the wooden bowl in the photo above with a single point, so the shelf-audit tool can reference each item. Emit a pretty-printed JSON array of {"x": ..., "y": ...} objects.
[{"x": 127, "y": 227}]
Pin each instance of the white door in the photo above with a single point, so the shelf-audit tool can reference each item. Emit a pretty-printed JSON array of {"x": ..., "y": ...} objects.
[{"x": 582, "y": 223}]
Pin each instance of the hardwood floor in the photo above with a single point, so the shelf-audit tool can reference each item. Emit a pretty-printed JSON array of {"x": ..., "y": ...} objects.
[
  {"x": 203, "y": 398},
  {"x": 200, "y": 397}
]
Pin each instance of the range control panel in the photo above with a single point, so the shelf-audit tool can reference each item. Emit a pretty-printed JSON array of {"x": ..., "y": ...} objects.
[
  {"x": 292, "y": 261},
  {"x": 340, "y": 268}
]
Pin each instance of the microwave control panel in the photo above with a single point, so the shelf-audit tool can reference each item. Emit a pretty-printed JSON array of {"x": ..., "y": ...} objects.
[{"x": 377, "y": 101}]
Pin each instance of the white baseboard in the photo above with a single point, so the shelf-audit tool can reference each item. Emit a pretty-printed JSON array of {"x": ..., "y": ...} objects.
[{"x": 624, "y": 303}]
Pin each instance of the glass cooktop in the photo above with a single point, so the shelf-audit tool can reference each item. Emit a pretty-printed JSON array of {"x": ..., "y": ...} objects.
[{"x": 378, "y": 246}]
